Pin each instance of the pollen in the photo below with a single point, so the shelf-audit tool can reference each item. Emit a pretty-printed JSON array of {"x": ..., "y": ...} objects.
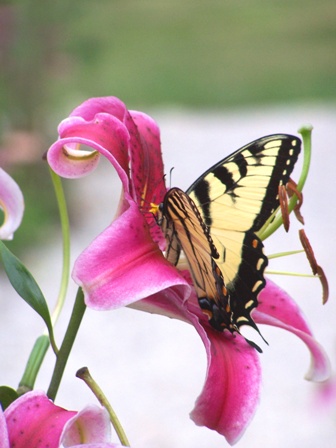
[{"x": 154, "y": 208}]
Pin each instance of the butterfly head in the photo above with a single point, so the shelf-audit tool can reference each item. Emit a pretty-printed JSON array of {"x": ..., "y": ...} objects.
[{"x": 157, "y": 211}]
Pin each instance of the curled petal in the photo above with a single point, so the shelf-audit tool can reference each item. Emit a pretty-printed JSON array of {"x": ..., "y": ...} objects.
[
  {"x": 144, "y": 144},
  {"x": 124, "y": 265},
  {"x": 106, "y": 104},
  {"x": 105, "y": 134},
  {"x": 92, "y": 424},
  {"x": 34, "y": 420},
  {"x": 12, "y": 204},
  {"x": 276, "y": 308}
]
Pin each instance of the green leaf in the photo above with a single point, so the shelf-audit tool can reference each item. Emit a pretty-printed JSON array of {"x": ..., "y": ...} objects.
[
  {"x": 25, "y": 285},
  {"x": 7, "y": 396}
]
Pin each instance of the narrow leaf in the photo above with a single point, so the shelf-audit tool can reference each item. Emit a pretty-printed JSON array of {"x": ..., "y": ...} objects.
[{"x": 24, "y": 284}]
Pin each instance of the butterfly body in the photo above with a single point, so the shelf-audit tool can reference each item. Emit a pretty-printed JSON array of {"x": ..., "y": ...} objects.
[{"x": 215, "y": 224}]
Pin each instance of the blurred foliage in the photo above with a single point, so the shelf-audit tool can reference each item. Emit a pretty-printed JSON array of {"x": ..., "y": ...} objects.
[
  {"x": 153, "y": 52},
  {"x": 205, "y": 53},
  {"x": 196, "y": 53},
  {"x": 39, "y": 220}
]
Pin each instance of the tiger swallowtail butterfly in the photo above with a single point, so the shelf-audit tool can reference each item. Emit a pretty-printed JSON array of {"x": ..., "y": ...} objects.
[{"x": 215, "y": 224}]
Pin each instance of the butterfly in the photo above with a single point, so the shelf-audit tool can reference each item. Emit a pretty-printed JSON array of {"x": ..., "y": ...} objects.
[{"x": 215, "y": 223}]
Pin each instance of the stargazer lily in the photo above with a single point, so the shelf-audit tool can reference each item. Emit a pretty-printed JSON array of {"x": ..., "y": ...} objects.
[
  {"x": 12, "y": 205},
  {"x": 33, "y": 420},
  {"x": 125, "y": 266}
]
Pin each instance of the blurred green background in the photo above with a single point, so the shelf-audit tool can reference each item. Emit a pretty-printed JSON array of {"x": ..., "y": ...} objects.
[{"x": 193, "y": 53}]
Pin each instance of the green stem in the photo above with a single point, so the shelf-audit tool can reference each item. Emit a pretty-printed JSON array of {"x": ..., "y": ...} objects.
[
  {"x": 269, "y": 229},
  {"x": 64, "y": 218},
  {"x": 291, "y": 274},
  {"x": 85, "y": 375},
  {"x": 68, "y": 341},
  {"x": 33, "y": 365},
  {"x": 285, "y": 254},
  {"x": 42, "y": 343}
]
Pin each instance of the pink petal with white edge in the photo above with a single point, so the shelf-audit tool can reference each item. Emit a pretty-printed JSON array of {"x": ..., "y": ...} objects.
[
  {"x": 91, "y": 425},
  {"x": 34, "y": 420},
  {"x": 12, "y": 204},
  {"x": 278, "y": 309},
  {"x": 123, "y": 265}
]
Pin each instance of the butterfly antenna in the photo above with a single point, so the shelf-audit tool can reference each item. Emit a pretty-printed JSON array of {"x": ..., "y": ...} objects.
[{"x": 170, "y": 176}]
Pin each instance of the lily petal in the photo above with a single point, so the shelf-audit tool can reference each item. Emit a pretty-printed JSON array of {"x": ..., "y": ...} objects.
[
  {"x": 123, "y": 265},
  {"x": 34, "y": 420},
  {"x": 91, "y": 425},
  {"x": 12, "y": 204},
  {"x": 231, "y": 392},
  {"x": 104, "y": 133},
  {"x": 278, "y": 309},
  {"x": 147, "y": 162},
  {"x": 4, "y": 442}
]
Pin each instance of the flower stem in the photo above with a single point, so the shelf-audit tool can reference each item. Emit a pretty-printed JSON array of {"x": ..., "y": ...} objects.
[
  {"x": 64, "y": 218},
  {"x": 85, "y": 375},
  {"x": 42, "y": 343},
  {"x": 68, "y": 341},
  {"x": 33, "y": 365}
]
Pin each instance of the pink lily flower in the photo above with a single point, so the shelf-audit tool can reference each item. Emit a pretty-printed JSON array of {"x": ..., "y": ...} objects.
[
  {"x": 124, "y": 265},
  {"x": 12, "y": 204},
  {"x": 34, "y": 420}
]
